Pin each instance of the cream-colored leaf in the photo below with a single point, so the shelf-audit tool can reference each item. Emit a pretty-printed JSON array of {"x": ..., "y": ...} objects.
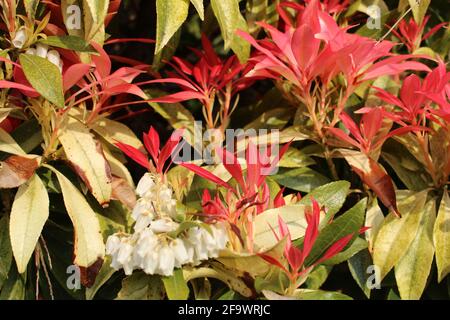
[
  {"x": 441, "y": 237},
  {"x": 29, "y": 213},
  {"x": 396, "y": 234},
  {"x": 113, "y": 132},
  {"x": 241, "y": 261},
  {"x": 267, "y": 222},
  {"x": 87, "y": 159},
  {"x": 8, "y": 144},
  {"x": 89, "y": 246},
  {"x": 94, "y": 12},
  {"x": 374, "y": 220},
  {"x": 413, "y": 269}
]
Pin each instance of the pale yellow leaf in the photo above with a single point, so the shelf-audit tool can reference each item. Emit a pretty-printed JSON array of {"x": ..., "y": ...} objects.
[
  {"x": 411, "y": 272},
  {"x": 441, "y": 235},
  {"x": 396, "y": 234},
  {"x": 29, "y": 213},
  {"x": 86, "y": 157},
  {"x": 89, "y": 246}
]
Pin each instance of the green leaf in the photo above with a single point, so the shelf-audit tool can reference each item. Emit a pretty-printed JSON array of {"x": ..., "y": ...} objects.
[
  {"x": 230, "y": 19},
  {"x": 87, "y": 158},
  {"x": 140, "y": 286},
  {"x": 332, "y": 196},
  {"x": 166, "y": 54},
  {"x": 413, "y": 269},
  {"x": 29, "y": 213},
  {"x": 276, "y": 118},
  {"x": 176, "y": 286},
  {"x": 419, "y": 9},
  {"x": 170, "y": 16},
  {"x": 441, "y": 236},
  {"x": 30, "y": 7},
  {"x": 405, "y": 165},
  {"x": 358, "y": 265},
  {"x": 294, "y": 158},
  {"x": 14, "y": 287},
  {"x": 317, "y": 278},
  {"x": 5, "y": 249},
  {"x": 305, "y": 294},
  {"x": 300, "y": 179},
  {"x": 198, "y": 4},
  {"x": 28, "y": 135},
  {"x": 256, "y": 10},
  {"x": 348, "y": 223},
  {"x": 232, "y": 278},
  {"x": 89, "y": 246},
  {"x": 69, "y": 42},
  {"x": 396, "y": 234},
  {"x": 44, "y": 76}
]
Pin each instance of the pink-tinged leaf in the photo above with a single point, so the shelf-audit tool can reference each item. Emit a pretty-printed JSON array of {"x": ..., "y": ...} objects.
[
  {"x": 273, "y": 261},
  {"x": 209, "y": 51},
  {"x": 305, "y": 45},
  {"x": 11, "y": 62},
  {"x": 337, "y": 247},
  {"x": 231, "y": 164},
  {"x": 388, "y": 97},
  {"x": 371, "y": 123},
  {"x": 392, "y": 69},
  {"x": 183, "y": 65},
  {"x": 351, "y": 126},
  {"x": 179, "y": 97},
  {"x": 376, "y": 178},
  {"x": 14, "y": 85},
  {"x": 152, "y": 143},
  {"x": 408, "y": 95},
  {"x": 20, "y": 79},
  {"x": 295, "y": 258},
  {"x": 75, "y": 73},
  {"x": 206, "y": 174},
  {"x": 312, "y": 230},
  {"x": 178, "y": 81},
  {"x": 253, "y": 167},
  {"x": 122, "y": 40},
  {"x": 125, "y": 88},
  {"x": 102, "y": 61},
  {"x": 434, "y": 30},
  {"x": 167, "y": 150},
  {"x": 279, "y": 201},
  {"x": 344, "y": 137},
  {"x": 133, "y": 153}
]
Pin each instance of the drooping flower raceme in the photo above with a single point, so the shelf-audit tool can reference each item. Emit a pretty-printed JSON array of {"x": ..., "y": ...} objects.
[
  {"x": 154, "y": 246},
  {"x": 160, "y": 241}
]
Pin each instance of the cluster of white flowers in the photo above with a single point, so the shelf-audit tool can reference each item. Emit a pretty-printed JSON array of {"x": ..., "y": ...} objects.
[
  {"x": 150, "y": 247},
  {"x": 41, "y": 50}
]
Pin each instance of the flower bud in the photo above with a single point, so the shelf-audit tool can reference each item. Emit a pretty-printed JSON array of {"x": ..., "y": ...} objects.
[{"x": 20, "y": 38}]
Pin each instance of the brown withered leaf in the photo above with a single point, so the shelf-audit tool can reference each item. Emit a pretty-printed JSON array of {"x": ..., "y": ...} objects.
[
  {"x": 123, "y": 192},
  {"x": 88, "y": 275},
  {"x": 374, "y": 176},
  {"x": 16, "y": 170}
]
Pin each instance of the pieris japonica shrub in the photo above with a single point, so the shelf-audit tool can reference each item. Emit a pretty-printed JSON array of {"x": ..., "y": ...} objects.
[{"x": 333, "y": 184}]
